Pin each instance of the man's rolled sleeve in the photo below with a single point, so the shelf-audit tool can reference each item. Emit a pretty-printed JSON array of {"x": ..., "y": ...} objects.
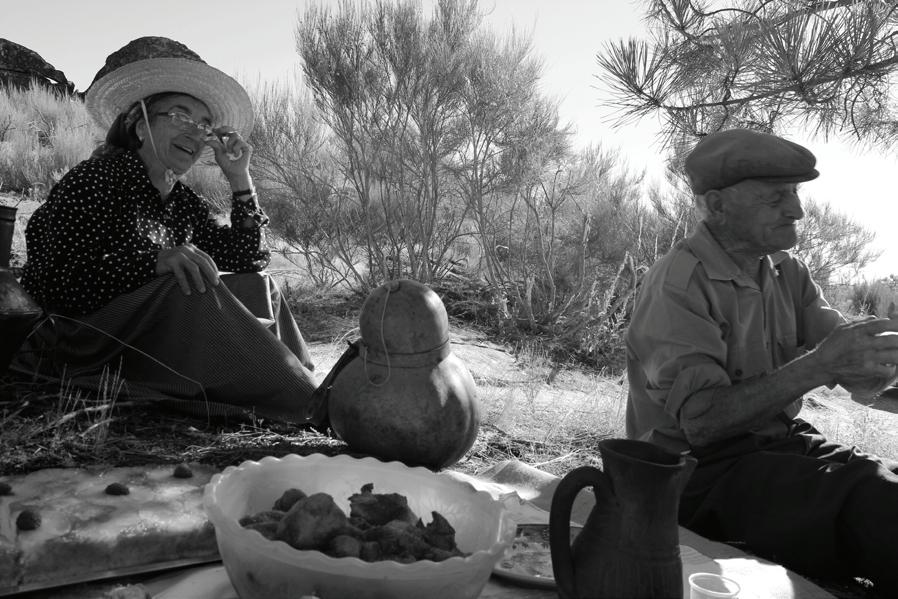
[
  {"x": 682, "y": 345},
  {"x": 679, "y": 350},
  {"x": 691, "y": 379}
]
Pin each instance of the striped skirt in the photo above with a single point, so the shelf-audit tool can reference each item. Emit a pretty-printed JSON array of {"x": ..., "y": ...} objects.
[{"x": 233, "y": 350}]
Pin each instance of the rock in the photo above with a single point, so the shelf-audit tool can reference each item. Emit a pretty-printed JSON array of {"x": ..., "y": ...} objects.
[
  {"x": 182, "y": 471},
  {"x": 28, "y": 520},
  {"x": 131, "y": 591},
  {"x": 19, "y": 65},
  {"x": 117, "y": 489}
]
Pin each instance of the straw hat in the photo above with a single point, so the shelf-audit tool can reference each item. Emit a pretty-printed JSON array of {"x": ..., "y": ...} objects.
[{"x": 151, "y": 65}]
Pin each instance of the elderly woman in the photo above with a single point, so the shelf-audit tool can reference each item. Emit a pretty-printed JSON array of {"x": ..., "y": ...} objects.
[{"x": 125, "y": 258}]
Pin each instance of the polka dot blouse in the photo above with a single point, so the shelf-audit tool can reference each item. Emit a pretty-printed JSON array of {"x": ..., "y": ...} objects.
[{"x": 98, "y": 234}]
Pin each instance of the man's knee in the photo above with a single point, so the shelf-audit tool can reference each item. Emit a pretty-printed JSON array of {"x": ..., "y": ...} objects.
[{"x": 868, "y": 528}]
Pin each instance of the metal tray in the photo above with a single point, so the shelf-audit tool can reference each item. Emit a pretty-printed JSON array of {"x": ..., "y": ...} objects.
[{"x": 110, "y": 574}]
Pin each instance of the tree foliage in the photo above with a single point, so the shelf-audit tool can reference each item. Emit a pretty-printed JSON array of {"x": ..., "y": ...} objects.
[
  {"x": 386, "y": 81},
  {"x": 830, "y": 242},
  {"x": 304, "y": 195},
  {"x": 510, "y": 152},
  {"x": 713, "y": 65},
  {"x": 452, "y": 165}
]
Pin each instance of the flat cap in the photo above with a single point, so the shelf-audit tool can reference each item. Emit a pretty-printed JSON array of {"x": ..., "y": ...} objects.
[{"x": 727, "y": 157}]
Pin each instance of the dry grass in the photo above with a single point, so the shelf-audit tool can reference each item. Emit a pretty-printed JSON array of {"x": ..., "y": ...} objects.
[
  {"x": 549, "y": 417},
  {"x": 872, "y": 426},
  {"x": 67, "y": 428},
  {"x": 531, "y": 410}
]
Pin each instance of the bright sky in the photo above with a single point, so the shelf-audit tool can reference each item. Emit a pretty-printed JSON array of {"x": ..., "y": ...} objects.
[{"x": 253, "y": 40}]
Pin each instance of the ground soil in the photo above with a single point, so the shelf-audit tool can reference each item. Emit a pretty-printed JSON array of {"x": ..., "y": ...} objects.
[{"x": 45, "y": 427}]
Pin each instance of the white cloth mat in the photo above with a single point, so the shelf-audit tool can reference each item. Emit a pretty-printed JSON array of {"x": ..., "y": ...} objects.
[{"x": 527, "y": 493}]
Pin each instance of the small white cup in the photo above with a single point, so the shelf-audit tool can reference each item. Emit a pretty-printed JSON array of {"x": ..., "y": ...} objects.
[{"x": 704, "y": 585}]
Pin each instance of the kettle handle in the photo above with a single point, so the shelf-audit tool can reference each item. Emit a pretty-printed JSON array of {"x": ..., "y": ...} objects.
[
  {"x": 560, "y": 522},
  {"x": 317, "y": 410}
]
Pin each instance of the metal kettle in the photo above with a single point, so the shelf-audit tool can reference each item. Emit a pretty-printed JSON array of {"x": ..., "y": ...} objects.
[
  {"x": 18, "y": 311},
  {"x": 400, "y": 393}
]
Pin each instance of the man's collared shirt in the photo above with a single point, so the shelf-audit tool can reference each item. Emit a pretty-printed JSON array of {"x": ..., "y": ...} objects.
[{"x": 700, "y": 322}]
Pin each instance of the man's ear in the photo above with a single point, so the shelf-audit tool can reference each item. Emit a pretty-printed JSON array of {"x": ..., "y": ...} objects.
[{"x": 714, "y": 201}]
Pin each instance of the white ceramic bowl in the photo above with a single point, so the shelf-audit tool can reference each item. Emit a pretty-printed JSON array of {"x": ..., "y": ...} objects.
[{"x": 264, "y": 569}]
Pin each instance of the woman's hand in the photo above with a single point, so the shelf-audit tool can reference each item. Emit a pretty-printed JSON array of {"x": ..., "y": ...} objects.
[
  {"x": 192, "y": 267},
  {"x": 232, "y": 154}
]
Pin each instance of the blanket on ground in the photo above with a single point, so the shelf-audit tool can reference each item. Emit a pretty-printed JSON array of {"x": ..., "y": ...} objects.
[{"x": 527, "y": 492}]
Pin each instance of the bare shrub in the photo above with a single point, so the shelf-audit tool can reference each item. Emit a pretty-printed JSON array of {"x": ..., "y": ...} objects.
[
  {"x": 565, "y": 267},
  {"x": 315, "y": 219},
  {"x": 874, "y": 298},
  {"x": 207, "y": 180},
  {"x": 831, "y": 242},
  {"x": 386, "y": 82}
]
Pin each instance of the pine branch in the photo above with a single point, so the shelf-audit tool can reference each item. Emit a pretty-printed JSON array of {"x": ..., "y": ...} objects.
[
  {"x": 881, "y": 67},
  {"x": 758, "y": 64}
]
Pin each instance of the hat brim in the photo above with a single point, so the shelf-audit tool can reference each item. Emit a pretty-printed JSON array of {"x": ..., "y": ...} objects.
[
  {"x": 808, "y": 176},
  {"x": 117, "y": 91}
]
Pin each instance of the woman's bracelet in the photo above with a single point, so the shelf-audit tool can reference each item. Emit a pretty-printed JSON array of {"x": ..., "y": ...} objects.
[{"x": 244, "y": 192}]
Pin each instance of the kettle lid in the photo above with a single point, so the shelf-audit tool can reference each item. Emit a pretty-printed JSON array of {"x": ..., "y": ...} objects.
[{"x": 404, "y": 317}]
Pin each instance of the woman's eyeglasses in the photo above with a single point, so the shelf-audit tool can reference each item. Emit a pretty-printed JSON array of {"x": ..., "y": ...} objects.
[{"x": 187, "y": 124}]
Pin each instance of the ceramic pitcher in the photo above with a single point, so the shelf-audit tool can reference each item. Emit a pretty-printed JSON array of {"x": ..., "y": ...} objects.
[{"x": 629, "y": 545}]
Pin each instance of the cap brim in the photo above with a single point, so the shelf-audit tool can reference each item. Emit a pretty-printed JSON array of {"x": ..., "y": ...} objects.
[
  {"x": 227, "y": 100},
  {"x": 808, "y": 176}
]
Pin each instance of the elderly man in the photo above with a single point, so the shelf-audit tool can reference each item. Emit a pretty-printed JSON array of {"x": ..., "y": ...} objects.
[{"x": 728, "y": 332}]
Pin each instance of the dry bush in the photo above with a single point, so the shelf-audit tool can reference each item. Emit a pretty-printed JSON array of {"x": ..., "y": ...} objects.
[
  {"x": 207, "y": 180},
  {"x": 315, "y": 225},
  {"x": 42, "y": 135},
  {"x": 873, "y": 298}
]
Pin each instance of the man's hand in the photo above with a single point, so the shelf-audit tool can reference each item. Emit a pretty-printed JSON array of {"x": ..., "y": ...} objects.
[
  {"x": 852, "y": 352},
  {"x": 861, "y": 353},
  {"x": 192, "y": 267}
]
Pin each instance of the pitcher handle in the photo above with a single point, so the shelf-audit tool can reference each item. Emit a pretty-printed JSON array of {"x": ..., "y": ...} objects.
[{"x": 560, "y": 522}]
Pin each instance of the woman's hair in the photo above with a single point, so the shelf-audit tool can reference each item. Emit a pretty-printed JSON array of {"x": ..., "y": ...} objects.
[{"x": 122, "y": 134}]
